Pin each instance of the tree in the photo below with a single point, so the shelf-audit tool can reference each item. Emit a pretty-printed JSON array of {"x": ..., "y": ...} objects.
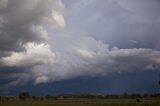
[
  {"x": 126, "y": 95},
  {"x": 24, "y": 95},
  {"x": 48, "y": 96}
]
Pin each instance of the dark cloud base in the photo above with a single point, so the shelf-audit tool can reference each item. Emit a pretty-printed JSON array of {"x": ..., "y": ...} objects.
[
  {"x": 101, "y": 38},
  {"x": 141, "y": 82}
]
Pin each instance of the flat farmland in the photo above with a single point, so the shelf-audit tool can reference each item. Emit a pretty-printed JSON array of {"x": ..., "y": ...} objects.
[{"x": 86, "y": 102}]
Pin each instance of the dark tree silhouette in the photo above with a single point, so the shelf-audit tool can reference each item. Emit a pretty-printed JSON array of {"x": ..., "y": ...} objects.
[
  {"x": 48, "y": 96},
  {"x": 24, "y": 95}
]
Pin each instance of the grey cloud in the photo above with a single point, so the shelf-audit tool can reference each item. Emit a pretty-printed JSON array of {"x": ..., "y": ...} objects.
[
  {"x": 133, "y": 41},
  {"x": 23, "y": 36},
  {"x": 117, "y": 21},
  {"x": 22, "y": 21},
  {"x": 89, "y": 57},
  {"x": 96, "y": 41},
  {"x": 34, "y": 54}
]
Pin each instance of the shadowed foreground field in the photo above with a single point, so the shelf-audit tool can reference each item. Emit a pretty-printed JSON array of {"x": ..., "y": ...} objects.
[{"x": 86, "y": 102}]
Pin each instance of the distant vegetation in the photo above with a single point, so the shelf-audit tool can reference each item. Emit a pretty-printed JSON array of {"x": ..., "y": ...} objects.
[
  {"x": 26, "y": 99},
  {"x": 85, "y": 102},
  {"x": 26, "y": 96}
]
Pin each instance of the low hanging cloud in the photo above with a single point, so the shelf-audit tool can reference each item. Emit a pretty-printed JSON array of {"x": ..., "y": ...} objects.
[
  {"x": 87, "y": 58},
  {"x": 25, "y": 46},
  {"x": 94, "y": 58}
]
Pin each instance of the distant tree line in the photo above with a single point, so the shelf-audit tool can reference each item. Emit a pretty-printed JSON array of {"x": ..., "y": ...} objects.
[{"x": 24, "y": 96}]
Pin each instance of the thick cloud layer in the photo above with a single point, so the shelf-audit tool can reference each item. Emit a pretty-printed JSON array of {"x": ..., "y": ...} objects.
[
  {"x": 22, "y": 21},
  {"x": 22, "y": 33},
  {"x": 87, "y": 58},
  {"x": 100, "y": 37},
  {"x": 116, "y": 22},
  {"x": 92, "y": 58}
]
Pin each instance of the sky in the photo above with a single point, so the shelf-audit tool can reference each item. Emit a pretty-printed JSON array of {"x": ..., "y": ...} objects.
[{"x": 106, "y": 46}]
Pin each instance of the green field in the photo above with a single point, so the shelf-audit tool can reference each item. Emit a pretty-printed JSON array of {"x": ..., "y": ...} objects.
[{"x": 85, "y": 102}]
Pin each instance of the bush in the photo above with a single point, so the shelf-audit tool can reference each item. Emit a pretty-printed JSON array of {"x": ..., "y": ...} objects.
[{"x": 137, "y": 100}]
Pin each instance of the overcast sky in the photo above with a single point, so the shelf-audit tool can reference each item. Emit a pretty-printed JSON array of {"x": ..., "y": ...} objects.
[{"x": 44, "y": 41}]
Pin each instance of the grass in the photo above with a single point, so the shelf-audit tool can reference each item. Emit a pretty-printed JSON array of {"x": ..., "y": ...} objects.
[{"x": 86, "y": 102}]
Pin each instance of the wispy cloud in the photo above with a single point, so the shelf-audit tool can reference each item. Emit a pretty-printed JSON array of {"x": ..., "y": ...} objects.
[{"x": 133, "y": 41}]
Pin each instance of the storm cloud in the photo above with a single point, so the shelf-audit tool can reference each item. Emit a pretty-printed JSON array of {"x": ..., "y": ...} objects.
[
  {"x": 22, "y": 21},
  {"x": 94, "y": 38}
]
